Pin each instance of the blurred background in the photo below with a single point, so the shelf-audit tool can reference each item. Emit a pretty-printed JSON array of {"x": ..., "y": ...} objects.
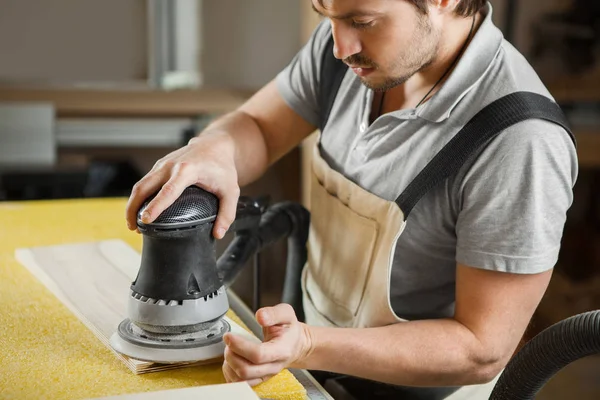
[{"x": 93, "y": 92}]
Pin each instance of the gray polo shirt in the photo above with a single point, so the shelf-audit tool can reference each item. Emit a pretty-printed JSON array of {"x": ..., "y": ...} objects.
[{"x": 504, "y": 211}]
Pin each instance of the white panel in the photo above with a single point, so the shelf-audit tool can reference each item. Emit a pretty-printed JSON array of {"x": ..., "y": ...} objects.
[
  {"x": 26, "y": 135},
  {"x": 107, "y": 132},
  {"x": 238, "y": 391}
]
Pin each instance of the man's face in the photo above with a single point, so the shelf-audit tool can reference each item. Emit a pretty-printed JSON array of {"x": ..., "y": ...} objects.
[{"x": 385, "y": 42}]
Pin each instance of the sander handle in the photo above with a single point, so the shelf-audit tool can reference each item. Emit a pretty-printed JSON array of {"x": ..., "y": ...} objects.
[{"x": 247, "y": 215}]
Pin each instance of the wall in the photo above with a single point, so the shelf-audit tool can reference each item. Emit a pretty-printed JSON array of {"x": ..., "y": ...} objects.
[
  {"x": 247, "y": 42},
  {"x": 73, "y": 40}
]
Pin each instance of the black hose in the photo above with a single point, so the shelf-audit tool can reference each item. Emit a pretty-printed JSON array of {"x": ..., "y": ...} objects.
[
  {"x": 236, "y": 255},
  {"x": 296, "y": 254},
  {"x": 285, "y": 219},
  {"x": 546, "y": 354}
]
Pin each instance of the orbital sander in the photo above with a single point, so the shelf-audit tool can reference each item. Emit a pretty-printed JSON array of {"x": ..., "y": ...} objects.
[{"x": 178, "y": 300}]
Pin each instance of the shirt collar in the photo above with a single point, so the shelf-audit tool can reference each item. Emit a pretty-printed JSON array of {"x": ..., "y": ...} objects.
[{"x": 471, "y": 67}]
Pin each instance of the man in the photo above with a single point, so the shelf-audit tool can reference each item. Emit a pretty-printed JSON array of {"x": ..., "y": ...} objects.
[{"x": 437, "y": 307}]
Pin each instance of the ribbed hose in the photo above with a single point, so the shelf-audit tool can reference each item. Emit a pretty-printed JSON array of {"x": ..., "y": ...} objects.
[
  {"x": 546, "y": 354},
  {"x": 285, "y": 219},
  {"x": 296, "y": 254}
]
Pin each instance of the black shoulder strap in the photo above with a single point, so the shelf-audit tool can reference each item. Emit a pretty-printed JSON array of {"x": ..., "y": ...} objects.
[
  {"x": 472, "y": 138},
  {"x": 332, "y": 74}
]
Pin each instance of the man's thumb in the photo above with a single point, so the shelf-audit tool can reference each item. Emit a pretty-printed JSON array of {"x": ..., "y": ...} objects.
[{"x": 281, "y": 314}]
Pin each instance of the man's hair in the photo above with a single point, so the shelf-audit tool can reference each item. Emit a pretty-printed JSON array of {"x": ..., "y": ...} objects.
[{"x": 465, "y": 8}]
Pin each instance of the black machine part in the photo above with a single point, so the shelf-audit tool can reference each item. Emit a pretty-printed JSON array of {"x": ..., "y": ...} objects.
[
  {"x": 178, "y": 252},
  {"x": 546, "y": 354}
]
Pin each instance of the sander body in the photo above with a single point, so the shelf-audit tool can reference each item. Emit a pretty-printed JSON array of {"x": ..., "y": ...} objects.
[{"x": 178, "y": 300}]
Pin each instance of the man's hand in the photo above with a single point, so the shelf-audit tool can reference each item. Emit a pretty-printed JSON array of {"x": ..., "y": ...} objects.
[
  {"x": 233, "y": 151},
  {"x": 286, "y": 343},
  {"x": 208, "y": 162}
]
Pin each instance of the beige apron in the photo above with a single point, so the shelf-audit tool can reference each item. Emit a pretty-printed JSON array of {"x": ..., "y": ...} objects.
[{"x": 353, "y": 234}]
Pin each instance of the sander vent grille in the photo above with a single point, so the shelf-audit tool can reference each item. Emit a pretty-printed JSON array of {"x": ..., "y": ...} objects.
[
  {"x": 194, "y": 205},
  {"x": 161, "y": 302},
  {"x": 158, "y": 302}
]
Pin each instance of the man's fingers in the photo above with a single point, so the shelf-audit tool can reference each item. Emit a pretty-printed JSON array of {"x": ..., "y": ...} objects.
[
  {"x": 229, "y": 373},
  {"x": 258, "y": 381},
  {"x": 164, "y": 198},
  {"x": 179, "y": 176},
  {"x": 231, "y": 376},
  {"x": 281, "y": 314},
  {"x": 180, "y": 179},
  {"x": 251, "y": 351},
  {"x": 256, "y": 353},
  {"x": 247, "y": 370},
  {"x": 146, "y": 187},
  {"x": 228, "y": 199},
  {"x": 254, "y": 382}
]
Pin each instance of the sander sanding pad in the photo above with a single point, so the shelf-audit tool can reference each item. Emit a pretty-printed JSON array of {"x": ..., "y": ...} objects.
[{"x": 170, "y": 353}]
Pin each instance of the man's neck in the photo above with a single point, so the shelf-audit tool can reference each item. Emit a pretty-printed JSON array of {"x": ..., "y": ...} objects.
[{"x": 410, "y": 93}]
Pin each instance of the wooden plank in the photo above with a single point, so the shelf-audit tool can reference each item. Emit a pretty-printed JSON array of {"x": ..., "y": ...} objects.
[
  {"x": 238, "y": 391},
  {"x": 92, "y": 280},
  {"x": 144, "y": 102}
]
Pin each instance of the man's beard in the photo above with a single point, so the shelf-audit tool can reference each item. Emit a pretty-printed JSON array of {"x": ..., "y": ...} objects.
[
  {"x": 413, "y": 62},
  {"x": 392, "y": 82}
]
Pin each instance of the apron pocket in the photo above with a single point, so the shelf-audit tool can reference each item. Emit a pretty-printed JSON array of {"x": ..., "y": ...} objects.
[
  {"x": 311, "y": 314},
  {"x": 341, "y": 246}
]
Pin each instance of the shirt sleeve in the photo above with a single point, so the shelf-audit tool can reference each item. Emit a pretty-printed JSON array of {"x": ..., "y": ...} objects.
[
  {"x": 298, "y": 83},
  {"x": 514, "y": 199}
]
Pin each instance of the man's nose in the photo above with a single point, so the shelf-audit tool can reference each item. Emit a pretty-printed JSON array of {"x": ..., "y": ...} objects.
[{"x": 346, "y": 41}]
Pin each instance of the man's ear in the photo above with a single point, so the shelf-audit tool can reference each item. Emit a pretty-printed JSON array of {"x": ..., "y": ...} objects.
[{"x": 444, "y": 6}]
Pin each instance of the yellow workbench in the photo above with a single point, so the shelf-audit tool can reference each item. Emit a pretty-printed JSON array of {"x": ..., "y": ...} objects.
[{"x": 45, "y": 351}]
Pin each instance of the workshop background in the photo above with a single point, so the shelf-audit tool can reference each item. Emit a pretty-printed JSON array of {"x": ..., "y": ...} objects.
[{"x": 93, "y": 92}]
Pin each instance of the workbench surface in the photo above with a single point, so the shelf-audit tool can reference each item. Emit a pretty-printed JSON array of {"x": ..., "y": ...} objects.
[{"x": 45, "y": 351}]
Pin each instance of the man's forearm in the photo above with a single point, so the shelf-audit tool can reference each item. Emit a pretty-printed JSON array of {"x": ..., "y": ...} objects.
[
  {"x": 244, "y": 138},
  {"x": 418, "y": 353}
]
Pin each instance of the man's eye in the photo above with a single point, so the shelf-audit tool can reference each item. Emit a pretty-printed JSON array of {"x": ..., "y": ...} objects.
[{"x": 361, "y": 24}]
